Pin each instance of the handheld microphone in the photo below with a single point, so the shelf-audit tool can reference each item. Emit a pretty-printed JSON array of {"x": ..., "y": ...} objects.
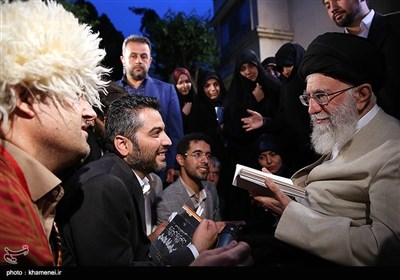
[{"x": 228, "y": 233}]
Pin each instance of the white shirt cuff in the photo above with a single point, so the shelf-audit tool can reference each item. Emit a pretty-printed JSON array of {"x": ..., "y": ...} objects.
[{"x": 194, "y": 250}]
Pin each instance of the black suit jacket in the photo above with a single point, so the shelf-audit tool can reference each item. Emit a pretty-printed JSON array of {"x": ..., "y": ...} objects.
[
  {"x": 385, "y": 33},
  {"x": 102, "y": 219}
]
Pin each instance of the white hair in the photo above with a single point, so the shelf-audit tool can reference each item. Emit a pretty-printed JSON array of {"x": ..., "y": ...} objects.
[{"x": 45, "y": 49}]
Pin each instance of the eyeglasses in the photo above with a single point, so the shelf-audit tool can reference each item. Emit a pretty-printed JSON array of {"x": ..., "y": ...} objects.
[
  {"x": 199, "y": 155},
  {"x": 322, "y": 97}
]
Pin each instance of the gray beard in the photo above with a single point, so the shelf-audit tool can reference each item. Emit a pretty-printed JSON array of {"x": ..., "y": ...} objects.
[{"x": 339, "y": 131}]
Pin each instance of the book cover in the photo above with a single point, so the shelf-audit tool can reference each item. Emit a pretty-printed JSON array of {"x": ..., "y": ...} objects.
[
  {"x": 177, "y": 234},
  {"x": 254, "y": 180}
]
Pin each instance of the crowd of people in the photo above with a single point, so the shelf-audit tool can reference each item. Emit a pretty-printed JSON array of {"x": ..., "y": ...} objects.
[{"x": 92, "y": 170}]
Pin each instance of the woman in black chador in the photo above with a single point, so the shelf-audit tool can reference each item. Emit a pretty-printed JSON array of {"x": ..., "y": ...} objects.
[{"x": 251, "y": 88}]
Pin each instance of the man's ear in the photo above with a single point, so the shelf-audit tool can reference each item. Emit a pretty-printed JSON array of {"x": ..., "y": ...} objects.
[
  {"x": 179, "y": 159},
  {"x": 24, "y": 102},
  {"x": 121, "y": 144},
  {"x": 363, "y": 96}
]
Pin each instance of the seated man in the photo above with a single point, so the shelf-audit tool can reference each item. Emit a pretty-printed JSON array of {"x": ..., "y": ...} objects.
[
  {"x": 350, "y": 214},
  {"x": 191, "y": 188}
]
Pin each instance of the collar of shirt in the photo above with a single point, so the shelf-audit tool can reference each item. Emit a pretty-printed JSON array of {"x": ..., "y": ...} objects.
[
  {"x": 144, "y": 183},
  {"x": 40, "y": 180},
  {"x": 365, "y": 24},
  {"x": 131, "y": 89},
  {"x": 197, "y": 200}
]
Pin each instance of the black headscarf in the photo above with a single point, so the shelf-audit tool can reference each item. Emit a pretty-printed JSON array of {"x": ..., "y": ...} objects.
[
  {"x": 345, "y": 57},
  {"x": 240, "y": 90},
  {"x": 204, "y": 77},
  {"x": 289, "y": 54}
]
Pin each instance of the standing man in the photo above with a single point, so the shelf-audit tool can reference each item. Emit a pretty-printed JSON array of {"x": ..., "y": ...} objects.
[
  {"x": 350, "y": 214},
  {"x": 136, "y": 60},
  {"x": 48, "y": 84},
  {"x": 383, "y": 30},
  {"x": 191, "y": 188},
  {"x": 103, "y": 217}
]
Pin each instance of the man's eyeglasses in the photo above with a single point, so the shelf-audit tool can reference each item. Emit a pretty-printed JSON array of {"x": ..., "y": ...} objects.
[
  {"x": 322, "y": 97},
  {"x": 199, "y": 155}
]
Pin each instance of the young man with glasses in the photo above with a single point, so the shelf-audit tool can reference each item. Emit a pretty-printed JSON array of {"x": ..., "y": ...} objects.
[
  {"x": 191, "y": 188},
  {"x": 350, "y": 215}
]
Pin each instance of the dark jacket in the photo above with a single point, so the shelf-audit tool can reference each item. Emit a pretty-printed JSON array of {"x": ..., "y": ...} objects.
[
  {"x": 385, "y": 33},
  {"x": 102, "y": 217}
]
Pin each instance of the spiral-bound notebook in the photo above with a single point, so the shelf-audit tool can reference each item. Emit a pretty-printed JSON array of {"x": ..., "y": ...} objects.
[
  {"x": 254, "y": 180},
  {"x": 177, "y": 234}
]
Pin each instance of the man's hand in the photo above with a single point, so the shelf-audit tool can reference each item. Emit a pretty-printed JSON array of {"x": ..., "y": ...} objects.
[
  {"x": 233, "y": 254},
  {"x": 220, "y": 226},
  {"x": 277, "y": 202},
  {"x": 205, "y": 235}
]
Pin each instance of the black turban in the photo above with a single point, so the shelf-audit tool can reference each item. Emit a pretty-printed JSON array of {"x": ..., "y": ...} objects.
[{"x": 345, "y": 57}]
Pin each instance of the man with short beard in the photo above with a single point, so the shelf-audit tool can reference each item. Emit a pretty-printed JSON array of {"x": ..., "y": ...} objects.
[
  {"x": 136, "y": 59},
  {"x": 191, "y": 187},
  {"x": 102, "y": 217},
  {"x": 350, "y": 214},
  {"x": 357, "y": 18}
]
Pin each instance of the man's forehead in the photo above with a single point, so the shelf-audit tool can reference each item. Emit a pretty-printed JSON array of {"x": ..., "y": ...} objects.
[
  {"x": 194, "y": 144},
  {"x": 135, "y": 46},
  {"x": 151, "y": 118}
]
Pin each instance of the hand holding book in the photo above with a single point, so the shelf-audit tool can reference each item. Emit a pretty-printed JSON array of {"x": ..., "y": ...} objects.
[
  {"x": 186, "y": 228},
  {"x": 254, "y": 180}
]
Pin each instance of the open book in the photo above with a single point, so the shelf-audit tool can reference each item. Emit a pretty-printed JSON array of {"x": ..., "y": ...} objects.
[{"x": 254, "y": 180}]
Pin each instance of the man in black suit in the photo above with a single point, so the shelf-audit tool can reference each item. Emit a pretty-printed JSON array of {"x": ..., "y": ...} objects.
[
  {"x": 102, "y": 217},
  {"x": 383, "y": 30}
]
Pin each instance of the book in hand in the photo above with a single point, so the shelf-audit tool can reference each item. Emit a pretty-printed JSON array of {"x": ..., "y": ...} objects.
[
  {"x": 254, "y": 180},
  {"x": 177, "y": 234}
]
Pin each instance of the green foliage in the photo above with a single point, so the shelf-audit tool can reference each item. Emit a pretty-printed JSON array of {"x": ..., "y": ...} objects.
[{"x": 179, "y": 40}]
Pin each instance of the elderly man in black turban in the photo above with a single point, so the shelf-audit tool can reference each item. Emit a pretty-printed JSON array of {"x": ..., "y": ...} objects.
[{"x": 350, "y": 214}]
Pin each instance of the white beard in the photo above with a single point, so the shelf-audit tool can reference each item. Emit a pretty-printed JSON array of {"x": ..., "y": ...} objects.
[{"x": 339, "y": 131}]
